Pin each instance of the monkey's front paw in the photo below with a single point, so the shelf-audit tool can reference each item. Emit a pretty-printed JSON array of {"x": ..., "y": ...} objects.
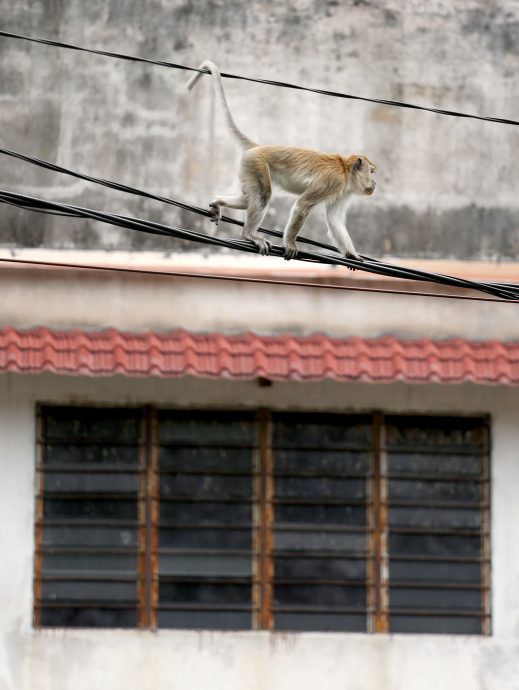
[
  {"x": 263, "y": 246},
  {"x": 290, "y": 251},
  {"x": 353, "y": 255},
  {"x": 216, "y": 212}
]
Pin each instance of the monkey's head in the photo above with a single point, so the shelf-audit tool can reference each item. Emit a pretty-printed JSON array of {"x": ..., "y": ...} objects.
[{"x": 361, "y": 175}]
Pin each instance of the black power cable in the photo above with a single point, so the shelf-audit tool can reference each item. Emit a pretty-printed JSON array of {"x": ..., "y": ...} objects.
[
  {"x": 35, "y": 204},
  {"x": 245, "y": 279},
  {"x": 269, "y": 82},
  {"x": 368, "y": 264}
]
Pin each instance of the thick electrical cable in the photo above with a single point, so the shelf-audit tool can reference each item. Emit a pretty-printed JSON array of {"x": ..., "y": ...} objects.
[
  {"x": 368, "y": 264},
  {"x": 268, "y": 82},
  {"x": 247, "y": 279},
  {"x": 147, "y": 226}
]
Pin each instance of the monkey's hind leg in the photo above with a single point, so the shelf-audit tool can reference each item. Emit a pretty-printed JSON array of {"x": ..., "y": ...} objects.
[
  {"x": 257, "y": 189},
  {"x": 239, "y": 202},
  {"x": 255, "y": 214}
]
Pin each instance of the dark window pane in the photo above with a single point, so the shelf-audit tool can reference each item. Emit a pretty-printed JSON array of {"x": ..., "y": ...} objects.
[
  {"x": 92, "y": 508},
  {"x": 447, "y": 599},
  {"x": 321, "y": 622},
  {"x": 431, "y": 572},
  {"x": 321, "y": 431},
  {"x": 205, "y": 593},
  {"x": 83, "y": 423},
  {"x": 91, "y": 483},
  {"x": 94, "y": 617},
  {"x": 430, "y": 463},
  {"x": 293, "y": 540},
  {"x": 322, "y": 462},
  {"x": 88, "y": 590},
  {"x": 200, "y": 564},
  {"x": 193, "y": 512},
  {"x": 207, "y": 620},
  {"x": 105, "y": 455},
  {"x": 417, "y": 490},
  {"x": 91, "y": 535},
  {"x": 324, "y": 487},
  {"x": 320, "y": 568},
  {"x": 206, "y": 486},
  {"x": 416, "y": 516},
  {"x": 71, "y": 561},
  {"x": 222, "y": 539},
  {"x": 319, "y": 513},
  {"x": 442, "y": 433},
  {"x": 327, "y": 596},
  {"x": 206, "y": 428},
  {"x": 200, "y": 459},
  {"x": 445, "y": 624},
  {"x": 434, "y": 545}
]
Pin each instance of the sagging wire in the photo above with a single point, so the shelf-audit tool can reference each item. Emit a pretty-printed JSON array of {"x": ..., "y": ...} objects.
[
  {"x": 246, "y": 279},
  {"x": 368, "y": 264},
  {"x": 504, "y": 291},
  {"x": 268, "y": 82}
]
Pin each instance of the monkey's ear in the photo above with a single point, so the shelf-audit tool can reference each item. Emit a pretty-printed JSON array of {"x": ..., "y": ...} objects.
[{"x": 357, "y": 165}]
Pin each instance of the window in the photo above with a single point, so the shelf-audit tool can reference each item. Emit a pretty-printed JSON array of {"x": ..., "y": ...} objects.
[{"x": 286, "y": 521}]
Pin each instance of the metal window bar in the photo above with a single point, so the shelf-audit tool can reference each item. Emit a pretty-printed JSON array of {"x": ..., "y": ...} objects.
[
  {"x": 37, "y": 588},
  {"x": 486, "y": 621},
  {"x": 378, "y": 536},
  {"x": 263, "y": 563}
]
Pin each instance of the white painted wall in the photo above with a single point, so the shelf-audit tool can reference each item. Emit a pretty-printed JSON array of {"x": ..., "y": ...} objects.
[
  {"x": 66, "y": 299},
  {"x": 176, "y": 660}
]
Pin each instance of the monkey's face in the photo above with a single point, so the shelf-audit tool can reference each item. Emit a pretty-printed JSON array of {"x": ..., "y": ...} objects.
[{"x": 363, "y": 172}]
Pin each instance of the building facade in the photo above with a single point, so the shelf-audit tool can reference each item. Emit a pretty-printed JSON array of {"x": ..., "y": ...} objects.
[
  {"x": 242, "y": 473},
  {"x": 194, "y": 497}
]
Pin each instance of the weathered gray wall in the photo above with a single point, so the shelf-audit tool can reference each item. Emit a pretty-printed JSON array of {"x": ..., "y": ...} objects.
[{"x": 446, "y": 187}]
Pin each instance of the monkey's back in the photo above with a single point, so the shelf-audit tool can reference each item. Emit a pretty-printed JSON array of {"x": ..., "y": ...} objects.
[{"x": 299, "y": 170}]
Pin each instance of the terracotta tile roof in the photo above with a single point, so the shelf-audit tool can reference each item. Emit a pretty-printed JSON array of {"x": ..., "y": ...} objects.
[{"x": 248, "y": 356}]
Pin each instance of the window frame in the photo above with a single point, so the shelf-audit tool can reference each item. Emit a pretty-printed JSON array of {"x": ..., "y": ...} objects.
[{"x": 377, "y": 507}]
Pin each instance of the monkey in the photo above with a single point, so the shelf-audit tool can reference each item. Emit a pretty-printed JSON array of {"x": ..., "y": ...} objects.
[{"x": 313, "y": 176}]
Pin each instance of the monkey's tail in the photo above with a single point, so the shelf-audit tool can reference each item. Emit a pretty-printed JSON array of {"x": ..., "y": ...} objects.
[{"x": 240, "y": 137}]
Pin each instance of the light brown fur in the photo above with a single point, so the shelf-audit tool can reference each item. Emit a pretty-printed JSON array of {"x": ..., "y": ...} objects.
[{"x": 314, "y": 176}]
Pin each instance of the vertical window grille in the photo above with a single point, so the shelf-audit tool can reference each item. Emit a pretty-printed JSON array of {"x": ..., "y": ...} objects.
[
  {"x": 321, "y": 470},
  {"x": 86, "y": 517},
  {"x": 437, "y": 474},
  {"x": 205, "y": 523},
  {"x": 276, "y": 521}
]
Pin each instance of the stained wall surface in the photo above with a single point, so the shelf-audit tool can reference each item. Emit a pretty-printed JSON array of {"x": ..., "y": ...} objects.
[{"x": 447, "y": 187}]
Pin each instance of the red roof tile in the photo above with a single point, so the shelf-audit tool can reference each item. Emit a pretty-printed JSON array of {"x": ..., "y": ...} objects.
[{"x": 248, "y": 356}]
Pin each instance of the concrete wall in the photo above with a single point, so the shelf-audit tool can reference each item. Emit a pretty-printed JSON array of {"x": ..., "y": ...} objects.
[
  {"x": 446, "y": 187},
  {"x": 67, "y": 299},
  {"x": 176, "y": 660}
]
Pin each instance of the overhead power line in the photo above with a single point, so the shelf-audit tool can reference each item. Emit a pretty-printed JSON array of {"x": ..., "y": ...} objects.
[
  {"x": 247, "y": 279},
  {"x": 504, "y": 291},
  {"x": 268, "y": 82},
  {"x": 507, "y": 290}
]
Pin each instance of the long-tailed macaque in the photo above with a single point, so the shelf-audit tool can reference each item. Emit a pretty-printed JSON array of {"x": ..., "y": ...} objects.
[{"x": 314, "y": 176}]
